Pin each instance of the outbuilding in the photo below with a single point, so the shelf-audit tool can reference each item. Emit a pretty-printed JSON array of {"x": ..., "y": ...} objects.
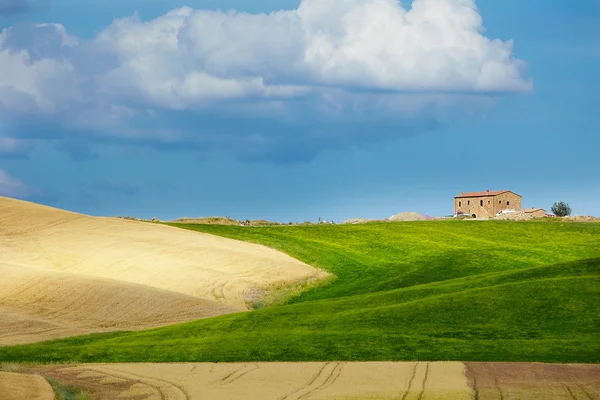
[{"x": 535, "y": 212}]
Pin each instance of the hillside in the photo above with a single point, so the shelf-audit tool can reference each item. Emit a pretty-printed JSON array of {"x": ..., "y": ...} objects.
[
  {"x": 65, "y": 274},
  {"x": 434, "y": 290}
]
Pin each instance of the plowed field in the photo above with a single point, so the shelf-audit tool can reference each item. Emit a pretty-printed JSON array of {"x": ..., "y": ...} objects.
[{"x": 523, "y": 381}]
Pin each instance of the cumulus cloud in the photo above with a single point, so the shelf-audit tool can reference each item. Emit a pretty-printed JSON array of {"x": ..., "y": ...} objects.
[
  {"x": 13, "y": 187},
  {"x": 327, "y": 66}
]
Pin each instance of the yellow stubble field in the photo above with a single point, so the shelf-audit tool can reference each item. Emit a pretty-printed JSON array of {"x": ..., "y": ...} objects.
[{"x": 65, "y": 273}]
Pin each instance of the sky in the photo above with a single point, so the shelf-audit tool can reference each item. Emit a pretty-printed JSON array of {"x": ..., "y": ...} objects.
[{"x": 292, "y": 110}]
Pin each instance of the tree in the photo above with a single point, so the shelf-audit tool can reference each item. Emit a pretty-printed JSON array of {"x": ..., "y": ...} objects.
[{"x": 561, "y": 209}]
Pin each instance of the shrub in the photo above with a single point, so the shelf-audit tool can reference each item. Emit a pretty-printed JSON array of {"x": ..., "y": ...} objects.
[{"x": 561, "y": 209}]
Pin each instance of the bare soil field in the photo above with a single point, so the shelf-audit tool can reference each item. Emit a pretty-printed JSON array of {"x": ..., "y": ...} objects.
[
  {"x": 332, "y": 380},
  {"x": 529, "y": 381},
  {"x": 66, "y": 273},
  {"x": 289, "y": 381},
  {"x": 15, "y": 386}
]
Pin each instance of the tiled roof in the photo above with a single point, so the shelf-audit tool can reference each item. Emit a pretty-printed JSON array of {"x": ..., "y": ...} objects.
[{"x": 481, "y": 194}]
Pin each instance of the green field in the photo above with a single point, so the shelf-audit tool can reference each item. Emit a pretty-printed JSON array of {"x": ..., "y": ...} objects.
[{"x": 431, "y": 290}]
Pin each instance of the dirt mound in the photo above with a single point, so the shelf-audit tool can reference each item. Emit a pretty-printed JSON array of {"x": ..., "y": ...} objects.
[
  {"x": 408, "y": 216},
  {"x": 14, "y": 386},
  {"x": 42, "y": 240}
]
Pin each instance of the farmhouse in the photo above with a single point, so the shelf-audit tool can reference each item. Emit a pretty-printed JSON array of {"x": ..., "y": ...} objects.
[{"x": 486, "y": 204}]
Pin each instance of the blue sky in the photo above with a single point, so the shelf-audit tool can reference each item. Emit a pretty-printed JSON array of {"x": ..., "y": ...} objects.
[{"x": 332, "y": 109}]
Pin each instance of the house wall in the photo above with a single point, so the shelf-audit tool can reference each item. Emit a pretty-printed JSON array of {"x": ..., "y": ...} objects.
[
  {"x": 487, "y": 206},
  {"x": 482, "y": 207},
  {"x": 507, "y": 200}
]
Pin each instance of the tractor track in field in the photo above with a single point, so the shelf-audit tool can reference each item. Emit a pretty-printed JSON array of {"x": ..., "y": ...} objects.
[
  {"x": 324, "y": 378},
  {"x": 237, "y": 374},
  {"x": 410, "y": 381},
  {"x": 568, "y": 389},
  {"x": 473, "y": 377},
  {"x": 589, "y": 396},
  {"x": 107, "y": 383},
  {"x": 167, "y": 390},
  {"x": 424, "y": 382},
  {"x": 496, "y": 384}
]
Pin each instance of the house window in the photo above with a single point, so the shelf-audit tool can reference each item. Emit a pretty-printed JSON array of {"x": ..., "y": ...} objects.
[
  {"x": 468, "y": 202},
  {"x": 460, "y": 203},
  {"x": 481, "y": 203},
  {"x": 499, "y": 201},
  {"x": 508, "y": 203}
]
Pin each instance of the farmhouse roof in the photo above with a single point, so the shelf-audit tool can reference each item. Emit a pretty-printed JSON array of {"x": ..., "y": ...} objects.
[{"x": 482, "y": 194}]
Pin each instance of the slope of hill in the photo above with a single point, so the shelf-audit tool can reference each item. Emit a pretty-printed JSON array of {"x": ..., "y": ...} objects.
[
  {"x": 489, "y": 291},
  {"x": 65, "y": 273},
  {"x": 37, "y": 305}
]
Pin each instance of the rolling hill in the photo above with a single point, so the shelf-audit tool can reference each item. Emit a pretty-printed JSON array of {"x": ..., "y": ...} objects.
[
  {"x": 65, "y": 274},
  {"x": 434, "y": 290}
]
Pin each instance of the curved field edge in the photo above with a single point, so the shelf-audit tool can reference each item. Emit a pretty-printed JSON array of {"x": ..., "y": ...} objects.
[
  {"x": 378, "y": 257},
  {"x": 64, "y": 274},
  {"x": 556, "y": 321},
  {"x": 493, "y": 291}
]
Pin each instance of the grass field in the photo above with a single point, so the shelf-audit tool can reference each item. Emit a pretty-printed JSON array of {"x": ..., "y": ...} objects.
[{"x": 433, "y": 290}]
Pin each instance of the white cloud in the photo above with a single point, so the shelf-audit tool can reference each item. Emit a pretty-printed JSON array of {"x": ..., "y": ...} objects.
[
  {"x": 37, "y": 74},
  {"x": 188, "y": 57},
  {"x": 332, "y": 58},
  {"x": 13, "y": 187}
]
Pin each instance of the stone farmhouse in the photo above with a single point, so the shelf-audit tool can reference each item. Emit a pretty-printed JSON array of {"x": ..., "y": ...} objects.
[{"x": 486, "y": 204}]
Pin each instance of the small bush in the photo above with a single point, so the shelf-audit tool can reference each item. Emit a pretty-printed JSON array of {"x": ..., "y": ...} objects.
[
  {"x": 561, "y": 209},
  {"x": 257, "y": 304}
]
